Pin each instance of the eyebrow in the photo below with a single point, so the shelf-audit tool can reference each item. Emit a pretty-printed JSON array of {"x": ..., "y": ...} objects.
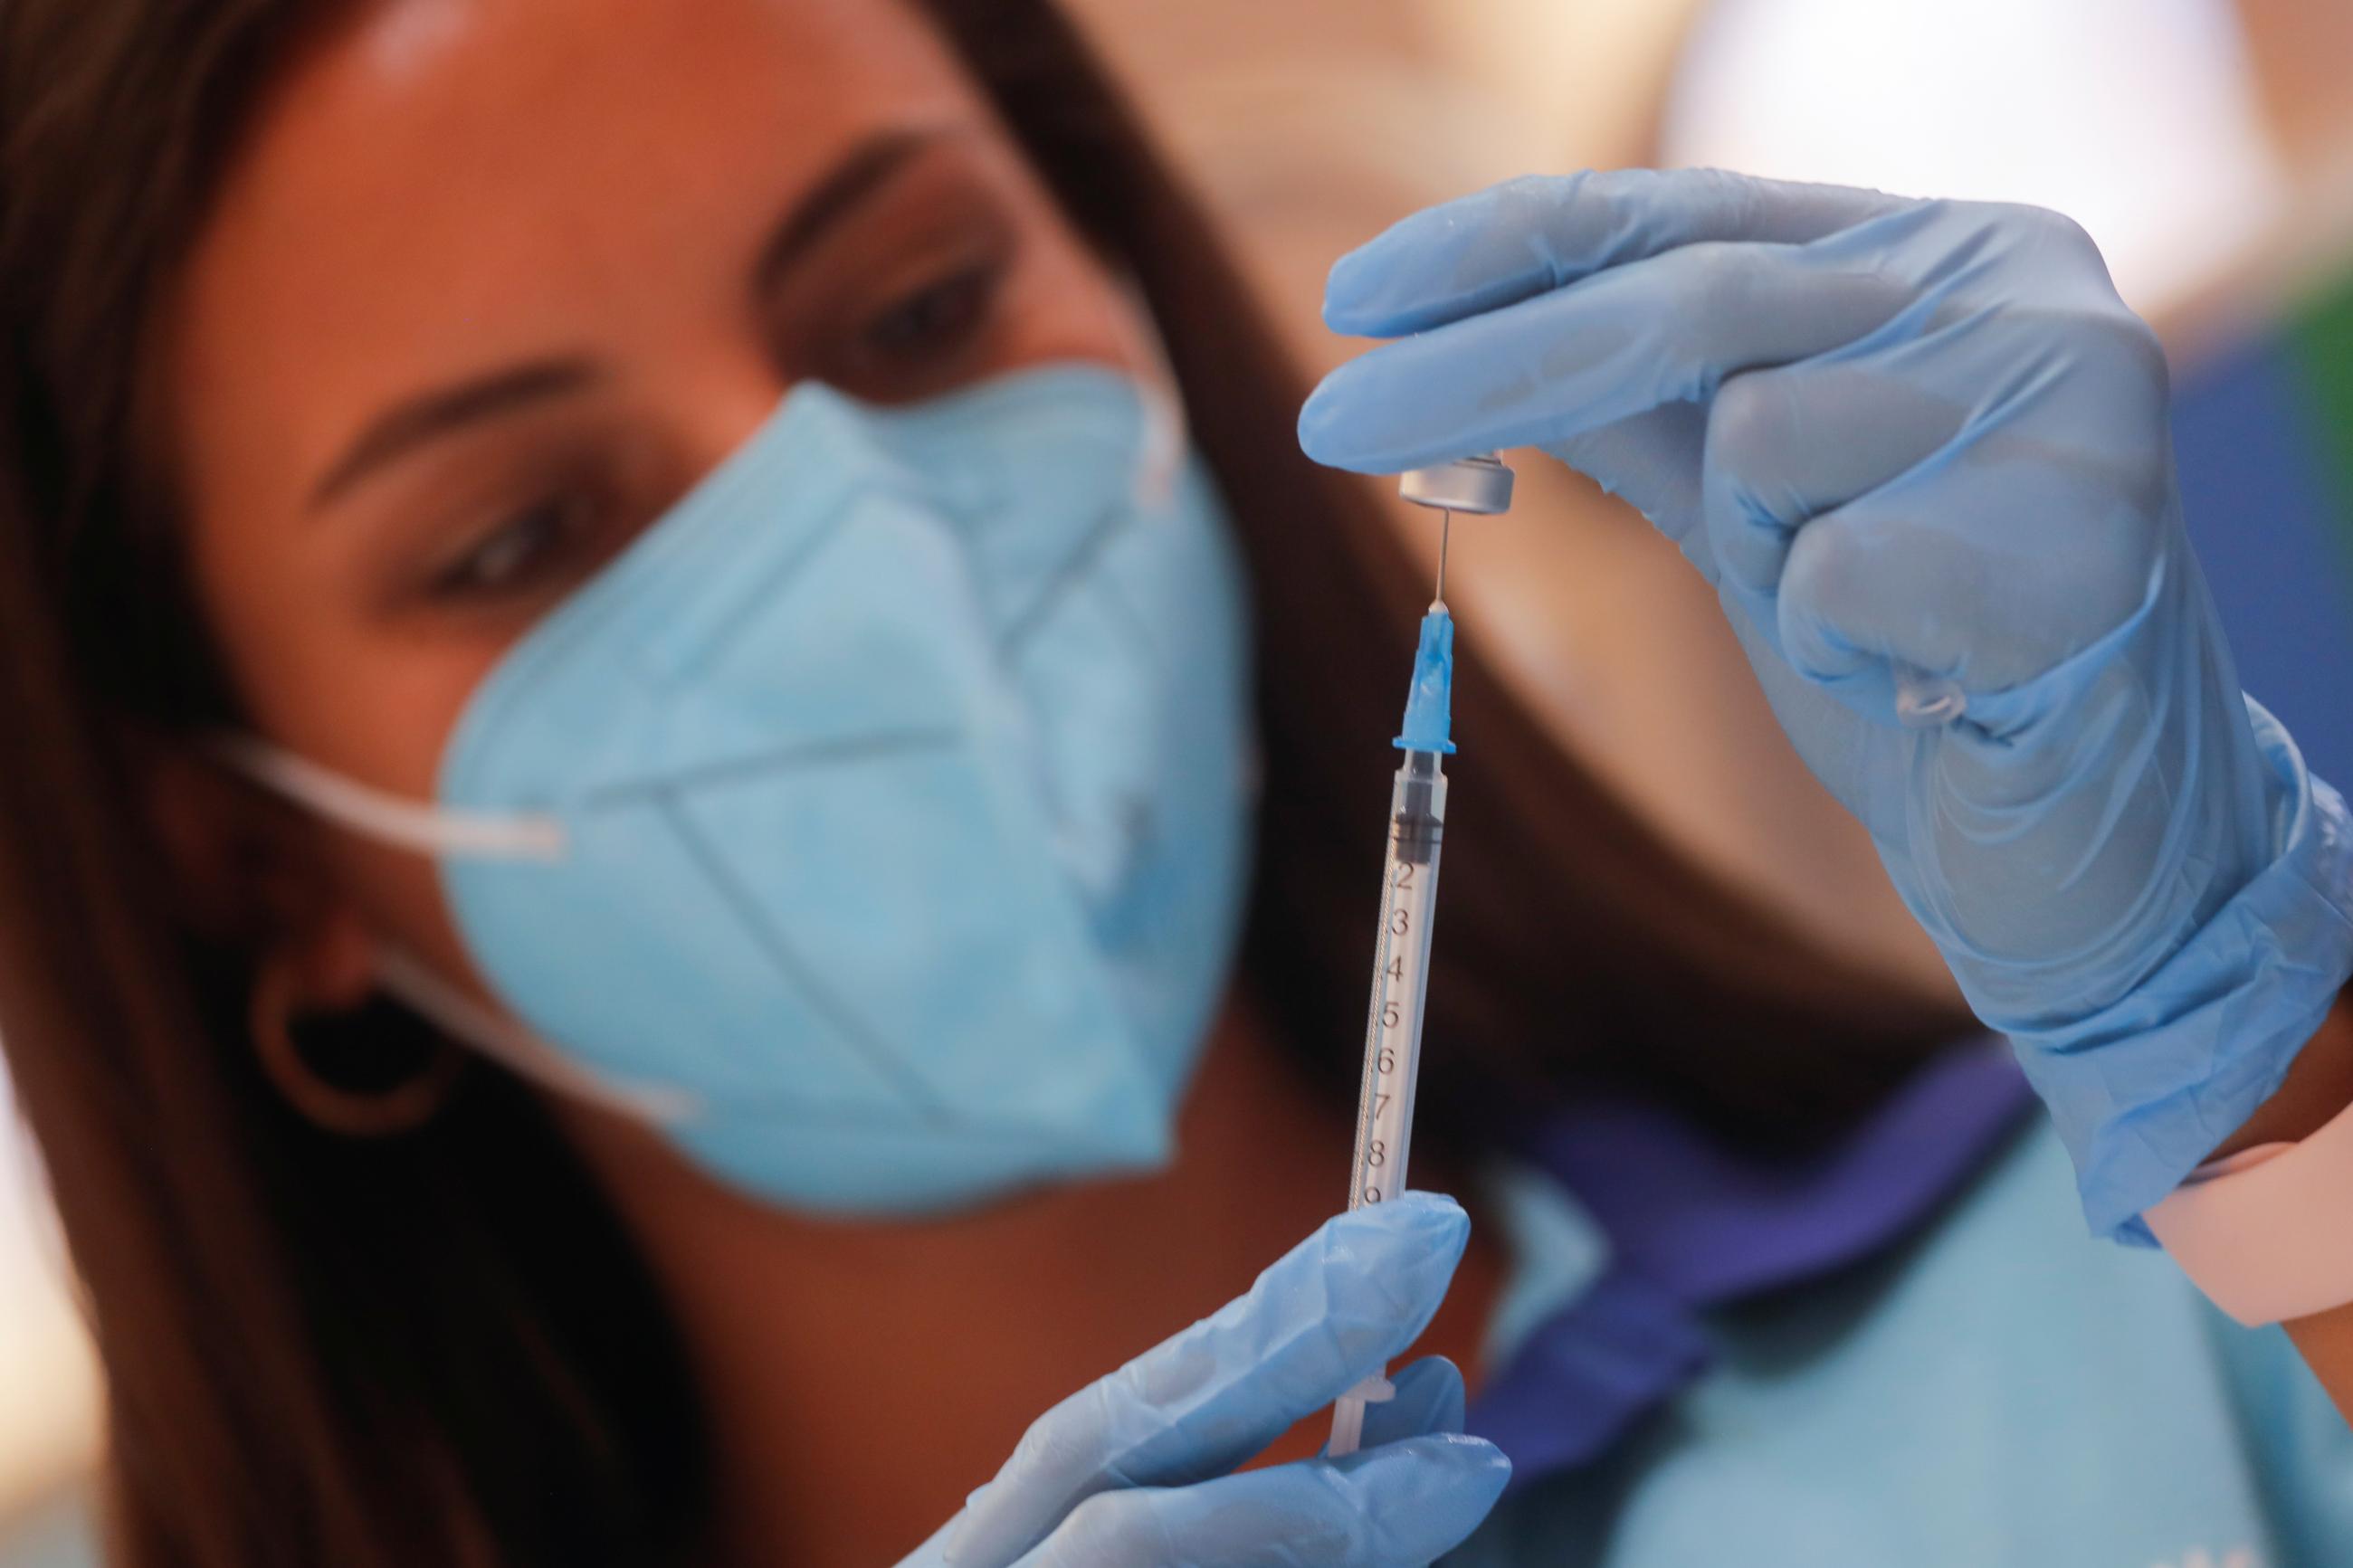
[
  {"x": 419, "y": 420},
  {"x": 414, "y": 422},
  {"x": 864, "y": 170}
]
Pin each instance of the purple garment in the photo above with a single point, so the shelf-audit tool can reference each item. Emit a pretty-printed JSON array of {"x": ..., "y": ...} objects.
[{"x": 1692, "y": 1225}]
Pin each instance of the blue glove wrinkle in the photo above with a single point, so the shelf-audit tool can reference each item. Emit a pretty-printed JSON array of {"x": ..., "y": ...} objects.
[{"x": 1918, "y": 444}]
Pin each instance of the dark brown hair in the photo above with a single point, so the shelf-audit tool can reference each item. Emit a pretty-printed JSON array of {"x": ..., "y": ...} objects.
[{"x": 441, "y": 1347}]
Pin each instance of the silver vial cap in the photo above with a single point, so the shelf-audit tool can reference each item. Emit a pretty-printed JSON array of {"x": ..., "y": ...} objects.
[{"x": 1480, "y": 486}]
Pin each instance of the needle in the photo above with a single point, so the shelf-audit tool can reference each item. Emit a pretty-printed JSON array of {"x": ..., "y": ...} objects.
[{"x": 1445, "y": 532}]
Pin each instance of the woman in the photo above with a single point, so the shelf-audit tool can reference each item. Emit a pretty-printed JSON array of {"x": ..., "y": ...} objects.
[{"x": 632, "y": 781}]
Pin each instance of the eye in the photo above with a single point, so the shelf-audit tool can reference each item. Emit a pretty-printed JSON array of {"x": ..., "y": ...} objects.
[
  {"x": 520, "y": 552},
  {"x": 936, "y": 319}
]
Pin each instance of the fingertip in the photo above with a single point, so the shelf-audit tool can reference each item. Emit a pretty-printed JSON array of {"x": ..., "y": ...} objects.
[
  {"x": 1396, "y": 1261},
  {"x": 1402, "y": 1239},
  {"x": 1427, "y": 1198},
  {"x": 1348, "y": 290},
  {"x": 1444, "y": 1219},
  {"x": 1427, "y": 1494},
  {"x": 1453, "y": 1453},
  {"x": 1328, "y": 420},
  {"x": 1316, "y": 423},
  {"x": 1379, "y": 290},
  {"x": 1478, "y": 1458},
  {"x": 1438, "y": 1206},
  {"x": 1416, "y": 1211},
  {"x": 1479, "y": 1469},
  {"x": 1461, "y": 258},
  {"x": 1489, "y": 1469}
]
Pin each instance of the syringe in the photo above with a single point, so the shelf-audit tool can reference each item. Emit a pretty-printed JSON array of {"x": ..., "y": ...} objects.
[{"x": 1408, "y": 893}]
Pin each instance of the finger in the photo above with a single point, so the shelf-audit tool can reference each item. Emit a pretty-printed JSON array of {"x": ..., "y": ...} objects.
[
  {"x": 1325, "y": 1316},
  {"x": 1549, "y": 369},
  {"x": 1980, "y": 534},
  {"x": 1987, "y": 571},
  {"x": 1528, "y": 237},
  {"x": 1429, "y": 1399},
  {"x": 1394, "y": 1507},
  {"x": 1787, "y": 445}
]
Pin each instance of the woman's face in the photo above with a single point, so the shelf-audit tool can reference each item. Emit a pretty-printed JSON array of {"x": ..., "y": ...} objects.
[{"x": 495, "y": 281}]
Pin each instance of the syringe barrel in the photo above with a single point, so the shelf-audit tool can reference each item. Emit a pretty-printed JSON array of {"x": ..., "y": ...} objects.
[
  {"x": 1393, "y": 1031},
  {"x": 1400, "y": 980}
]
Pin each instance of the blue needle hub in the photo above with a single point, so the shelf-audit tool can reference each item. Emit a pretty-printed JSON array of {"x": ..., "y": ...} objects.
[{"x": 1430, "y": 705}]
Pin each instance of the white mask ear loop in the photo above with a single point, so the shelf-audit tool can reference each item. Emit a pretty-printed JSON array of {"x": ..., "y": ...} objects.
[
  {"x": 1160, "y": 455},
  {"x": 432, "y": 830},
  {"x": 1160, "y": 462},
  {"x": 389, "y": 819},
  {"x": 414, "y": 984},
  {"x": 1160, "y": 451}
]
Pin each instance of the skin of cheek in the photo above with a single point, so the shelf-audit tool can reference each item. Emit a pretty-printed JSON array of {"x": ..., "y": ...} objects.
[{"x": 452, "y": 185}]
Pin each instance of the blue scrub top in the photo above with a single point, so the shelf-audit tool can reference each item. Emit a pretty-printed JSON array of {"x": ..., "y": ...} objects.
[{"x": 1995, "y": 1389}]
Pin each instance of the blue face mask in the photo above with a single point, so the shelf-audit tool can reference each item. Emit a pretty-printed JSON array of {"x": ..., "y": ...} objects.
[{"x": 877, "y": 821}]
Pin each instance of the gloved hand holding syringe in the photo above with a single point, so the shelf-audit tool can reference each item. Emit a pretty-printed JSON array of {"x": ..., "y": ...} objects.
[{"x": 1478, "y": 485}]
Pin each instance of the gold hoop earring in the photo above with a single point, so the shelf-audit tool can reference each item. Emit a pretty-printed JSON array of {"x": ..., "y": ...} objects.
[{"x": 401, "y": 1106}]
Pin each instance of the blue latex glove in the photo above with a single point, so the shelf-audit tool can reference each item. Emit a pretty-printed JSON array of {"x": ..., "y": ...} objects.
[
  {"x": 1920, "y": 449},
  {"x": 1138, "y": 1469}
]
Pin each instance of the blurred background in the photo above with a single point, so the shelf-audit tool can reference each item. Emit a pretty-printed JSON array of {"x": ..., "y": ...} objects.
[{"x": 2207, "y": 145}]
